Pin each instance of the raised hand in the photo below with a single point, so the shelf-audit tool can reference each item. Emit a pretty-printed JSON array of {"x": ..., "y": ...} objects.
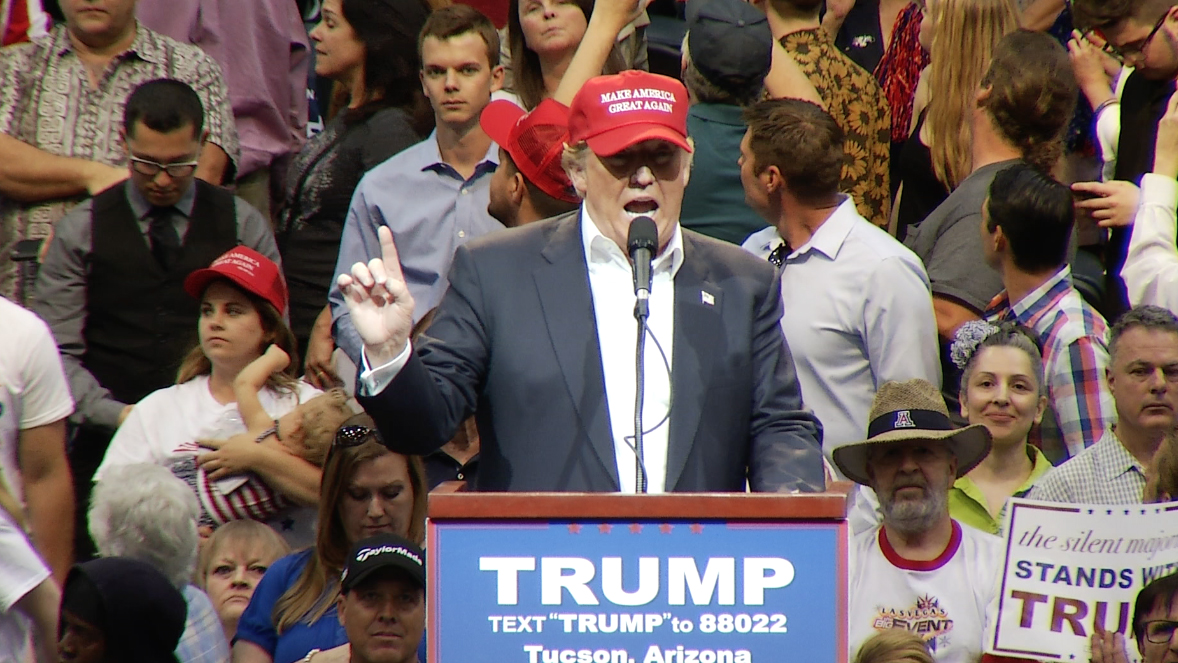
[
  {"x": 379, "y": 302},
  {"x": 1112, "y": 204},
  {"x": 1108, "y": 647}
]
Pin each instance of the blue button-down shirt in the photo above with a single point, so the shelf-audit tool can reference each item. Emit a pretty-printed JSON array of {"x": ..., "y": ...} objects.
[{"x": 430, "y": 208}]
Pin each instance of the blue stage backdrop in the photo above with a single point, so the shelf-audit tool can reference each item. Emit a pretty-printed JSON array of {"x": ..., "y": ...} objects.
[{"x": 620, "y": 592}]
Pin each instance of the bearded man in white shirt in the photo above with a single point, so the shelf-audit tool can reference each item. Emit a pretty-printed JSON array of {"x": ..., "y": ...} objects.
[
  {"x": 536, "y": 332},
  {"x": 920, "y": 570}
]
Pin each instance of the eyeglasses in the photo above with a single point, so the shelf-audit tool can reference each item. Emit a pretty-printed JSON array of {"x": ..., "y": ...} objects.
[
  {"x": 151, "y": 168},
  {"x": 353, "y": 436},
  {"x": 1135, "y": 48},
  {"x": 1160, "y": 631}
]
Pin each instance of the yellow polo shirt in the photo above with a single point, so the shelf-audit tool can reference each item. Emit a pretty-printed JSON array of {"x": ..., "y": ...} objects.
[{"x": 967, "y": 504}]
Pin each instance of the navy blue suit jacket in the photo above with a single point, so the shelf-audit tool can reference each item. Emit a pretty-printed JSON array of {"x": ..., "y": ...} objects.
[{"x": 515, "y": 341}]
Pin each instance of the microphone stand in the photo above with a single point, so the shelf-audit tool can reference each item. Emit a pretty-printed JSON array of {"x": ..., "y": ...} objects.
[{"x": 641, "y": 312}]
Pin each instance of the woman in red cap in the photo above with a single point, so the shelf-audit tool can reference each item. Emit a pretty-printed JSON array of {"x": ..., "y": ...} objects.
[{"x": 242, "y": 300}]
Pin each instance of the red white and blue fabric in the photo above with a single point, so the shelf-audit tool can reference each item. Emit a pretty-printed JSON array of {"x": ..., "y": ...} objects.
[{"x": 252, "y": 500}]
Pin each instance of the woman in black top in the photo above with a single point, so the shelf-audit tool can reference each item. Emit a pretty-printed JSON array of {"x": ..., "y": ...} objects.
[{"x": 369, "y": 47}]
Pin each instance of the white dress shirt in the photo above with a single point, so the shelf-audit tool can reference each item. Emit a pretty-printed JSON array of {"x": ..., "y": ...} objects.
[
  {"x": 612, "y": 287},
  {"x": 1151, "y": 263},
  {"x": 857, "y": 313}
]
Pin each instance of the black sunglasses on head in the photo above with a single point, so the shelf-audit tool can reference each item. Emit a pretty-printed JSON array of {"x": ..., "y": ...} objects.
[{"x": 355, "y": 435}]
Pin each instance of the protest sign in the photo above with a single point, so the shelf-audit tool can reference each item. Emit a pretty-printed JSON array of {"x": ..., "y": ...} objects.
[
  {"x": 637, "y": 592},
  {"x": 1072, "y": 567}
]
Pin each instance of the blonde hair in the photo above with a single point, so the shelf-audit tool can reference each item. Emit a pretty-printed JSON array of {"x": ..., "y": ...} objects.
[
  {"x": 250, "y": 534},
  {"x": 322, "y": 417},
  {"x": 966, "y": 33},
  {"x": 317, "y": 587},
  {"x": 894, "y": 646},
  {"x": 1161, "y": 476}
]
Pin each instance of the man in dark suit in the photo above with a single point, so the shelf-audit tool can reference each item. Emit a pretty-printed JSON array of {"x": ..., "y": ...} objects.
[{"x": 536, "y": 333}]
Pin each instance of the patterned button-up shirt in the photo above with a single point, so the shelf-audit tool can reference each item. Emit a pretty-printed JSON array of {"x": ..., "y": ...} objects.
[
  {"x": 1105, "y": 473},
  {"x": 854, "y": 99},
  {"x": 47, "y": 101},
  {"x": 1075, "y": 355}
]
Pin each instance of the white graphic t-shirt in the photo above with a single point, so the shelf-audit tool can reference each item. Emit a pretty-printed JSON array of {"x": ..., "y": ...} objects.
[
  {"x": 166, "y": 425},
  {"x": 948, "y": 601}
]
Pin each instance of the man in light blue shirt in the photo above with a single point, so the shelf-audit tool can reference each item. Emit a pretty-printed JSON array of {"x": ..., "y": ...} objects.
[
  {"x": 433, "y": 196},
  {"x": 857, "y": 307}
]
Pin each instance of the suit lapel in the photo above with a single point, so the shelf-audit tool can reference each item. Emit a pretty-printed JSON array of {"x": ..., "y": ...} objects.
[
  {"x": 567, "y": 305},
  {"x": 698, "y": 330}
]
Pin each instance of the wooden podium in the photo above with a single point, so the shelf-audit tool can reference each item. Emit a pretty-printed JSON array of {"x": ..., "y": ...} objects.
[{"x": 613, "y": 578}]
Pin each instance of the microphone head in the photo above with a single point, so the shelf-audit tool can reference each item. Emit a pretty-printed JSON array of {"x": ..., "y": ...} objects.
[{"x": 643, "y": 234}]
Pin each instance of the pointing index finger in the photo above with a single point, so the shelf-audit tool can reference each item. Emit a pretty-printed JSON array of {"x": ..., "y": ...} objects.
[{"x": 388, "y": 253}]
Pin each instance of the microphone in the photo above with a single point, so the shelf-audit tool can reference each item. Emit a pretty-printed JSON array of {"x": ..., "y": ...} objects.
[{"x": 641, "y": 242}]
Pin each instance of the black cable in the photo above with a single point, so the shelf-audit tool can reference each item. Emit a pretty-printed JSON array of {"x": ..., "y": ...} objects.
[{"x": 630, "y": 440}]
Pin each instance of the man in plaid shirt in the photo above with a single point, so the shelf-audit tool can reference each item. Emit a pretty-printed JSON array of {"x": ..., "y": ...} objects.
[
  {"x": 1025, "y": 234},
  {"x": 1143, "y": 379}
]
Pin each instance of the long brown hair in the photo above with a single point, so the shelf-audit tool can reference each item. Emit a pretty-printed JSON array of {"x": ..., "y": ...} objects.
[
  {"x": 966, "y": 32},
  {"x": 317, "y": 588},
  {"x": 274, "y": 330},
  {"x": 526, "y": 75},
  {"x": 1033, "y": 93}
]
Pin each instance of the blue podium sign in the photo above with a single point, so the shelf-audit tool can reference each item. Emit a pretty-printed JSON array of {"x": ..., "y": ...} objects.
[{"x": 609, "y": 591}]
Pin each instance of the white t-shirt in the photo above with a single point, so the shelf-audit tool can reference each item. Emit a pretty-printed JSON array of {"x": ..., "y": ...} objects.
[
  {"x": 166, "y": 425},
  {"x": 21, "y": 572},
  {"x": 950, "y": 601},
  {"x": 33, "y": 387}
]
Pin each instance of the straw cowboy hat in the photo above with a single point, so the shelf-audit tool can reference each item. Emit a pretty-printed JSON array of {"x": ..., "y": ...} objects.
[{"x": 912, "y": 410}]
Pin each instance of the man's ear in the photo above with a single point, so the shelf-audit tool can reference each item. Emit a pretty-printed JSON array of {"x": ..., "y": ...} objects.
[
  {"x": 204, "y": 137},
  {"x": 123, "y": 140},
  {"x": 516, "y": 188},
  {"x": 341, "y": 609},
  {"x": 773, "y": 179},
  {"x": 497, "y": 74},
  {"x": 1001, "y": 244},
  {"x": 575, "y": 169}
]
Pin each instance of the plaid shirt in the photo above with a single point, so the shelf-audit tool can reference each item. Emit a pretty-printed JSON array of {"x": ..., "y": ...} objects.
[
  {"x": 1105, "y": 473},
  {"x": 204, "y": 638},
  {"x": 1075, "y": 355}
]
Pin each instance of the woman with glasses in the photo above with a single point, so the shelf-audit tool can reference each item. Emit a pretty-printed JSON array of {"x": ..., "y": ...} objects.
[
  {"x": 366, "y": 490},
  {"x": 194, "y": 427}
]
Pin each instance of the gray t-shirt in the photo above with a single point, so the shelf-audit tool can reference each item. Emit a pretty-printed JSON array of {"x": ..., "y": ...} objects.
[{"x": 949, "y": 242}]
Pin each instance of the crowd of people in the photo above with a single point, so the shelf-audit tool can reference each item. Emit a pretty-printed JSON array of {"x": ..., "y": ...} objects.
[{"x": 928, "y": 247}]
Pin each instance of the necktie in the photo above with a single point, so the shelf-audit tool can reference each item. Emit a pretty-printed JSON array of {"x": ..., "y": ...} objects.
[
  {"x": 777, "y": 256},
  {"x": 165, "y": 241}
]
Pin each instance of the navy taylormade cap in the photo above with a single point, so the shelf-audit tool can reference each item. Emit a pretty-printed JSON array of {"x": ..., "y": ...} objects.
[{"x": 383, "y": 551}]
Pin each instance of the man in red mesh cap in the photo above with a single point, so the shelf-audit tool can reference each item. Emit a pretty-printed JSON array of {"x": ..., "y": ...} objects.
[
  {"x": 529, "y": 183},
  {"x": 537, "y": 332}
]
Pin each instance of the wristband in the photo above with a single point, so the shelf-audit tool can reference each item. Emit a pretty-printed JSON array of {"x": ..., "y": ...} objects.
[
  {"x": 1105, "y": 104},
  {"x": 273, "y": 430}
]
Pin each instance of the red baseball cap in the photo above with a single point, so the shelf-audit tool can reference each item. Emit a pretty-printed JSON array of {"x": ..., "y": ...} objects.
[
  {"x": 535, "y": 142},
  {"x": 250, "y": 270},
  {"x": 614, "y": 112}
]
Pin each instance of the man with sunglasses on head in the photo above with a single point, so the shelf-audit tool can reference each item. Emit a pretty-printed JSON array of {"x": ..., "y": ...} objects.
[
  {"x": 1143, "y": 35},
  {"x": 111, "y": 284}
]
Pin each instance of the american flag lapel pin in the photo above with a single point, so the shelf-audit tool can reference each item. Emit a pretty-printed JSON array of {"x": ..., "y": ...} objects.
[{"x": 707, "y": 298}]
